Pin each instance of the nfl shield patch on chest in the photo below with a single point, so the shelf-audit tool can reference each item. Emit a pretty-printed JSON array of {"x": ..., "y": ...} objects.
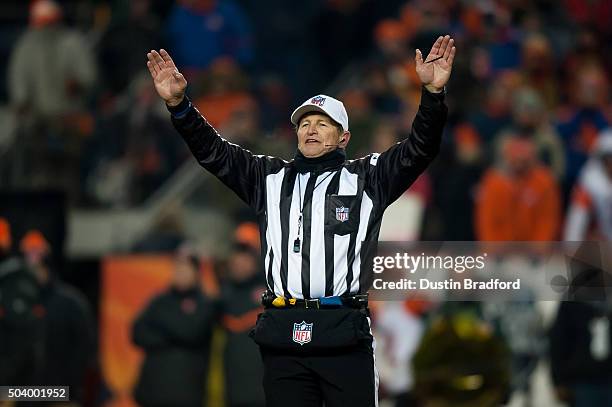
[
  {"x": 302, "y": 332},
  {"x": 342, "y": 214}
]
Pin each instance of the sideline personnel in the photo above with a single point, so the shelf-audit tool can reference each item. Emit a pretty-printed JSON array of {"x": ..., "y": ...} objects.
[{"x": 315, "y": 212}]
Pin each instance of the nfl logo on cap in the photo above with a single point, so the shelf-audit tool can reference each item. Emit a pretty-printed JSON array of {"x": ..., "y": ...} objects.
[
  {"x": 302, "y": 332},
  {"x": 318, "y": 100}
]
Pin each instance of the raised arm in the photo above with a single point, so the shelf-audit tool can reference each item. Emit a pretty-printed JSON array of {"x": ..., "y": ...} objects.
[
  {"x": 236, "y": 167},
  {"x": 393, "y": 171}
]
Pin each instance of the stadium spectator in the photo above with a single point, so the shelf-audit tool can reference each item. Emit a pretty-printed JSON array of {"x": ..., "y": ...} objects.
[
  {"x": 589, "y": 216},
  {"x": 364, "y": 121},
  {"x": 175, "y": 332},
  {"x": 22, "y": 329},
  {"x": 459, "y": 176},
  {"x": 496, "y": 111},
  {"x": 70, "y": 337},
  {"x": 583, "y": 119},
  {"x": 223, "y": 90},
  {"x": 200, "y": 31},
  {"x": 274, "y": 97},
  {"x": 581, "y": 362},
  {"x": 594, "y": 13},
  {"x": 518, "y": 199},
  {"x": 390, "y": 39},
  {"x": 241, "y": 302},
  {"x": 142, "y": 29},
  {"x": 530, "y": 120},
  {"x": 537, "y": 68},
  {"x": 51, "y": 74},
  {"x": 398, "y": 326},
  {"x": 586, "y": 51},
  {"x": 51, "y": 68}
]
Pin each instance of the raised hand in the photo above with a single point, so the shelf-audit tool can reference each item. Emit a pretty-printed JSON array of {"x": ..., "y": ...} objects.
[
  {"x": 169, "y": 82},
  {"x": 434, "y": 75}
]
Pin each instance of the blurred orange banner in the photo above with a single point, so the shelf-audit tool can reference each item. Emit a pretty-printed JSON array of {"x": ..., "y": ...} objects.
[{"x": 128, "y": 284}]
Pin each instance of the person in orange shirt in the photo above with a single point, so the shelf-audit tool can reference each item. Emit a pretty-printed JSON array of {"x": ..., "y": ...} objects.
[{"x": 519, "y": 198}]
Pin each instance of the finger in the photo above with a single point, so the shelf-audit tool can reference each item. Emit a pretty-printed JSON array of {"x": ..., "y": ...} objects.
[
  {"x": 451, "y": 57},
  {"x": 151, "y": 69},
  {"x": 153, "y": 64},
  {"x": 435, "y": 48},
  {"x": 167, "y": 58},
  {"x": 444, "y": 45},
  {"x": 418, "y": 58},
  {"x": 449, "y": 47},
  {"x": 158, "y": 59}
]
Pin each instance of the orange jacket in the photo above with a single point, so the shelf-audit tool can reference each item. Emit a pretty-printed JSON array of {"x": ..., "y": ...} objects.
[{"x": 512, "y": 208}]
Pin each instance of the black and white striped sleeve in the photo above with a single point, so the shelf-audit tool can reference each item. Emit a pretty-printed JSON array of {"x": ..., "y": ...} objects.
[
  {"x": 393, "y": 171},
  {"x": 236, "y": 167}
]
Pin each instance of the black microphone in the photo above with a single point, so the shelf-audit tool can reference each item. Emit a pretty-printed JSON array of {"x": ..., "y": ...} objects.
[{"x": 334, "y": 145}]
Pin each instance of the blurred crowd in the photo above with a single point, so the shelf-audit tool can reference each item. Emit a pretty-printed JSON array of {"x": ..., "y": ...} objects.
[
  {"x": 529, "y": 98},
  {"x": 47, "y": 328},
  {"x": 527, "y": 155}
]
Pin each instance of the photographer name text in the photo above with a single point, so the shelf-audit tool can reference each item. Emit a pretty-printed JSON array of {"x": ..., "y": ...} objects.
[{"x": 448, "y": 284}]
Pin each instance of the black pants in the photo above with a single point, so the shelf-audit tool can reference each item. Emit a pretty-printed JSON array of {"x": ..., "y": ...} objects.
[{"x": 339, "y": 378}]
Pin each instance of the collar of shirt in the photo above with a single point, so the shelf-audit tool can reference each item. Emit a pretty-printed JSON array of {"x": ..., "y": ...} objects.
[{"x": 320, "y": 164}]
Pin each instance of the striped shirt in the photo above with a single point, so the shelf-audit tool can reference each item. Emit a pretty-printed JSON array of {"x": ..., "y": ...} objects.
[{"x": 315, "y": 219}]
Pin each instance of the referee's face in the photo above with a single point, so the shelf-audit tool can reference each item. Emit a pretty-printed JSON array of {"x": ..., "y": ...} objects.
[{"x": 318, "y": 134}]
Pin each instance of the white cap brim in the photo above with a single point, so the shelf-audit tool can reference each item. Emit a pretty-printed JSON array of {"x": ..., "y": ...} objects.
[
  {"x": 333, "y": 108},
  {"x": 302, "y": 110}
]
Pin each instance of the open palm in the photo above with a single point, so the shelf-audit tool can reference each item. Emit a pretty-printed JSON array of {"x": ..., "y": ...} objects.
[
  {"x": 169, "y": 82},
  {"x": 434, "y": 75}
]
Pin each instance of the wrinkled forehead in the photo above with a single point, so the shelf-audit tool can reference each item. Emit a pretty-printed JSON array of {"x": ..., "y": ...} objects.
[{"x": 316, "y": 116}]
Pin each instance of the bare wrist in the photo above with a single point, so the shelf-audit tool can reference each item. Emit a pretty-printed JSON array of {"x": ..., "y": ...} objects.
[
  {"x": 175, "y": 101},
  {"x": 433, "y": 89}
]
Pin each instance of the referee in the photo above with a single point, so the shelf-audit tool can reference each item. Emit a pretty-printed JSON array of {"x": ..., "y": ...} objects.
[{"x": 315, "y": 214}]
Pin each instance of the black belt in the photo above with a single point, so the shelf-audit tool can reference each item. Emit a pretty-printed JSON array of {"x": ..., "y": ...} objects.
[{"x": 358, "y": 301}]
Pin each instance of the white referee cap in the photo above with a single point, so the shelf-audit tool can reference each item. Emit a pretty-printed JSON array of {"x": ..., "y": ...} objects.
[{"x": 324, "y": 104}]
